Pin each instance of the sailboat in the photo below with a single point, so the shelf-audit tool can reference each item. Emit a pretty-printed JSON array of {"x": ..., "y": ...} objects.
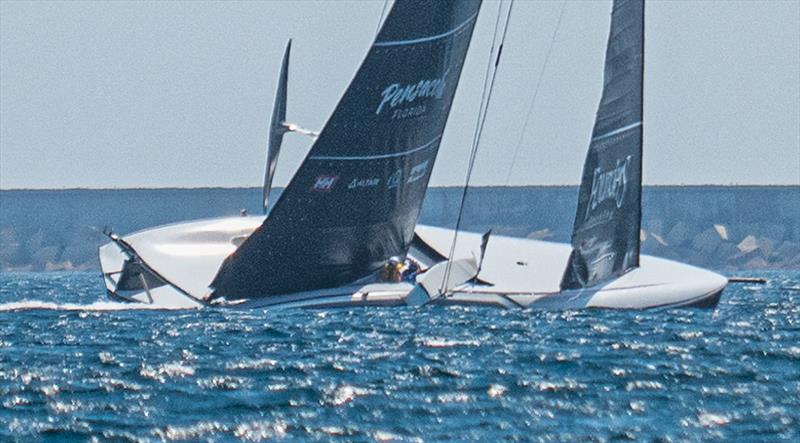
[
  {"x": 350, "y": 208},
  {"x": 602, "y": 267},
  {"x": 324, "y": 246}
]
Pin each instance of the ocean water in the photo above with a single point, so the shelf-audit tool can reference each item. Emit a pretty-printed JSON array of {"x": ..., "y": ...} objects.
[{"x": 74, "y": 366}]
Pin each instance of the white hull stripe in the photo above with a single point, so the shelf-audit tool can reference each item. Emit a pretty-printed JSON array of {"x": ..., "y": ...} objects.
[
  {"x": 427, "y": 39},
  {"x": 377, "y": 157},
  {"x": 617, "y": 131}
]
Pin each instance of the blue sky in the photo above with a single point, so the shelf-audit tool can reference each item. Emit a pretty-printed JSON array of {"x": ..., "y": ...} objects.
[{"x": 151, "y": 94}]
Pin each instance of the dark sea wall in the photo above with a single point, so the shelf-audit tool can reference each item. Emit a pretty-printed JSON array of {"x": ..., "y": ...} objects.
[{"x": 721, "y": 227}]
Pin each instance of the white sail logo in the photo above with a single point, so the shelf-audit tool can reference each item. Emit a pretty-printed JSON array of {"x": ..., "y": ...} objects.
[
  {"x": 609, "y": 185},
  {"x": 397, "y": 94},
  {"x": 418, "y": 171},
  {"x": 394, "y": 179},
  {"x": 363, "y": 183},
  {"x": 324, "y": 183}
]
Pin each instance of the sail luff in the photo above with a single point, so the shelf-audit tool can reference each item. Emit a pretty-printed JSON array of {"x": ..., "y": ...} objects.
[{"x": 641, "y": 137}]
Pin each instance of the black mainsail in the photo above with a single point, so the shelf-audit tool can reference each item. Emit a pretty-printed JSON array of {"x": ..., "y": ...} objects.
[
  {"x": 605, "y": 237},
  {"x": 355, "y": 199}
]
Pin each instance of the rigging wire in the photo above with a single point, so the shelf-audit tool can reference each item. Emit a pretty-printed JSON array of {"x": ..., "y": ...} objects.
[
  {"x": 486, "y": 98},
  {"x": 536, "y": 92},
  {"x": 380, "y": 20}
]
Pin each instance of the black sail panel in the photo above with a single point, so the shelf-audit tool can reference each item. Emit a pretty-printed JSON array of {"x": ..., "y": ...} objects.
[
  {"x": 605, "y": 237},
  {"x": 356, "y": 197},
  {"x": 277, "y": 127}
]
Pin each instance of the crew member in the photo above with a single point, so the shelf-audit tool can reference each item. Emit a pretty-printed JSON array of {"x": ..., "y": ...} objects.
[{"x": 393, "y": 270}]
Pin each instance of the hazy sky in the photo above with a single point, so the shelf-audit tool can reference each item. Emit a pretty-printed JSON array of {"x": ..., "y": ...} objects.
[{"x": 135, "y": 94}]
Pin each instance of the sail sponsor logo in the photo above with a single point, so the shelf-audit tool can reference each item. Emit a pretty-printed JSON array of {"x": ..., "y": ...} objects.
[
  {"x": 609, "y": 185},
  {"x": 417, "y": 172},
  {"x": 363, "y": 183},
  {"x": 413, "y": 111},
  {"x": 395, "y": 179},
  {"x": 324, "y": 183},
  {"x": 398, "y": 94}
]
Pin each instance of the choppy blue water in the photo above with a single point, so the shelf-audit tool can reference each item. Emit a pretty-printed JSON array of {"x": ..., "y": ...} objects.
[{"x": 78, "y": 368}]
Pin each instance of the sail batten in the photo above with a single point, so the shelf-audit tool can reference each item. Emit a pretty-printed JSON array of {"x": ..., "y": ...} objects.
[
  {"x": 379, "y": 156},
  {"x": 605, "y": 237},
  {"x": 415, "y": 41},
  {"x": 616, "y": 131}
]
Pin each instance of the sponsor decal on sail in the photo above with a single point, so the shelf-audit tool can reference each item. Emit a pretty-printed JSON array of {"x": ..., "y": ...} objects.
[
  {"x": 324, "y": 183},
  {"x": 363, "y": 183},
  {"x": 398, "y": 94},
  {"x": 395, "y": 179},
  {"x": 609, "y": 185},
  {"x": 418, "y": 171}
]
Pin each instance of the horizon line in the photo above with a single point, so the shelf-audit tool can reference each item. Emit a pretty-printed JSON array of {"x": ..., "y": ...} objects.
[{"x": 163, "y": 188}]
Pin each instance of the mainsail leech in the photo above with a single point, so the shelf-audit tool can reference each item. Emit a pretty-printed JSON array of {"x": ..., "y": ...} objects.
[
  {"x": 605, "y": 237},
  {"x": 354, "y": 201}
]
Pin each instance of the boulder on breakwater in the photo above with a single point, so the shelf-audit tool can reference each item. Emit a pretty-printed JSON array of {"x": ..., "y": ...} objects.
[{"x": 719, "y": 227}]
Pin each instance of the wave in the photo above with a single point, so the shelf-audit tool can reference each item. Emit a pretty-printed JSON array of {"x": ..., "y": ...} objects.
[{"x": 26, "y": 305}]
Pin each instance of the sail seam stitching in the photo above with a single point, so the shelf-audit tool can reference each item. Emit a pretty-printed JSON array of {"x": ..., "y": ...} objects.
[
  {"x": 376, "y": 157},
  {"x": 429, "y": 38}
]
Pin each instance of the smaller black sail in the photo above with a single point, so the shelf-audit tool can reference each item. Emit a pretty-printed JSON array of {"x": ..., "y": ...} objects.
[
  {"x": 605, "y": 237},
  {"x": 355, "y": 199},
  {"x": 277, "y": 127}
]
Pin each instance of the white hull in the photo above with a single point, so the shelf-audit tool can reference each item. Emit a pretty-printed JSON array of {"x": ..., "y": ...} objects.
[
  {"x": 527, "y": 274},
  {"x": 524, "y": 274}
]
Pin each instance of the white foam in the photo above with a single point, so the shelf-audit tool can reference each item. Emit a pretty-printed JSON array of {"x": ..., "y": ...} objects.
[
  {"x": 96, "y": 306},
  {"x": 445, "y": 343}
]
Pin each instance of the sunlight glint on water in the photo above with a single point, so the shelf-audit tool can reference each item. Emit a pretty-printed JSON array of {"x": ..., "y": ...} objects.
[{"x": 74, "y": 365}]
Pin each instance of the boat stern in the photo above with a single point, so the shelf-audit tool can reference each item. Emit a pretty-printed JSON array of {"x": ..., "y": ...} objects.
[{"x": 661, "y": 283}]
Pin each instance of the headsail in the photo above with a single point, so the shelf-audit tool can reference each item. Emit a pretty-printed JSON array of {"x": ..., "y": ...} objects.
[
  {"x": 277, "y": 127},
  {"x": 605, "y": 237},
  {"x": 356, "y": 197}
]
